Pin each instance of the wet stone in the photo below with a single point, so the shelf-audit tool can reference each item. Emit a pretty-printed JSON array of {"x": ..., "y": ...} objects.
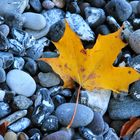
[
  {"x": 97, "y": 3},
  {"x": 4, "y": 28},
  {"x": 49, "y": 54},
  {"x": 102, "y": 29},
  {"x": 36, "y": 5},
  {"x": 79, "y": 26},
  {"x": 4, "y": 109},
  {"x": 58, "y": 100},
  {"x": 2, "y": 75},
  {"x": 20, "y": 125},
  {"x": 4, "y": 43},
  {"x": 36, "y": 136},
  {"x": 50, "y": 124},
  {"x": 21, "y": 102},
  {"x": 18, "y": 63},
  {"x": 14, "y": 117},
  {"x": 48, "y": 4}
]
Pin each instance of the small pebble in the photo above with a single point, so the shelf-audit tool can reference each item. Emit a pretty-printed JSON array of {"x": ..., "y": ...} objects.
[
  {"x": 33, "y": 19},
  {"x": 10, "y": 136},
  {"x": 15, "y": 83},
  {"x": 22, "y": 136},
  {"x": 59, "y": 3},
  {"x": 5, "y": 29},
  {"x": 48, "y": 79},
  {"x": 4, "y": 43},
  {"x": 48, "y": 4},
  {"x": 64, "y": 113},
  {"x": 21, "y": 102},
  {"x": 18, "y": 63},
  {"x": 97, "y": 3},
  {"x": 58, "y": 100},
  {"x": 36, "y": 5},
  {"x": 2, "y": 75},
  {"x": 50, "y": 124},
  {"x": 134, "y": 5},
  {"x": 20, "y": 125},
  {"x": 44, "y": 67}
]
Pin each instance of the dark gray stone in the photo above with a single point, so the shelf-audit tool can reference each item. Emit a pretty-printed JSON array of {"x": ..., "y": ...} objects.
[
  {"x": 134, "y": 5},
  {"x": 119, "y": 110},
  {"x": 65, "y": 111},
  {"x": 36, "y": 5},
  {"x": 6, "y": 59},
  {"x": 97, "y": 3},
  {"x": 21, "y": 102},
  {"x": 97, "y": 124},
  {"x": 2, "y": 75},
  {"x": 94, "y": 16},
  {"x": 58, "y": 100},
  {"x": 20, "y": 125},
  {"x": 119, "y": 9},
  {"x": 43, "y": 66},
  {"x": 49, "y": 54},
  {"x": 48, "y": 79},
  {"x": 50, "y": 124},
  {"x": 4, "y": 43},
  {"x": 4, "y": 109},
  {"x": 102, "y": 29}
]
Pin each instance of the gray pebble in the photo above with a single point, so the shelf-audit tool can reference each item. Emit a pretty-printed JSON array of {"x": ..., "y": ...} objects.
[
  {"x": 2, "y": 75},
  {"x": 34, "y": 21},
  {"x": 120, "y": 9},
  {"x": 4, "y": 43},
  {"x": 79, "y": 26},
  {"x": 58, "y": 100},
  {"x": 97, "y": 3},
  {"x": 18, "y": 63},
  {"x": 64, "y": 113},
  {"x": 50, "y": 54},
  {"x": 134, "y": 5},
  {"x": 14, "y": 82},
  {"x": 94, "y": 16},
  {"x": 31, "y": 67},
  {"x": 134, "y": 41},
  {"x": 10, "y": 136},
  {"x": 21, "y": 102},
  {"x": 14, "y": 116},
  {"x": 53, "y": 15},
  {"x": 22, "y": 136},
  {"x": 20, "y": 125},
  {"x": 48, "y": 79},
  {"x": 36, "y": 5},
  {"x": 102, "y": 29},
  {"x": 48, "y": 4},
  {"x": 4, "y": 109},
  {"x": 43, "y": 67},
  {"x": 5, "y": 29},
  {"x": 2, "y": 95},
  {"x": 119, "y": 110},
  {"x": 50, "y": 123}
]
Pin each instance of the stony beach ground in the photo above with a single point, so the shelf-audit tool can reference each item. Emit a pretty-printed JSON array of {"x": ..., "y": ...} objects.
[{"x": 32, "y": 99}]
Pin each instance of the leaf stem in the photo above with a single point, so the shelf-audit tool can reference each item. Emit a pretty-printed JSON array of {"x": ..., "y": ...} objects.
[{"x": 75, "y": 108}]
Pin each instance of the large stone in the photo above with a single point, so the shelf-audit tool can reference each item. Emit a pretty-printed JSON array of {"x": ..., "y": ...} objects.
[
  {"x": 21, "y": 82},
  {"x": 83, "y": 117}
]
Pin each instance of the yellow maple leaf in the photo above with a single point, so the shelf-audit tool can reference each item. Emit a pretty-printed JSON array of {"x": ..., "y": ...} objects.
[{"x": 92, "y": 68}]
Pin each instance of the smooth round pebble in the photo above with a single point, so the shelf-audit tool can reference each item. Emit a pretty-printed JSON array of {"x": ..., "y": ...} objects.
[
  {"x": 134, "y": 41},
  {"x": 47, "y": 4},
  {"x": 34, "y": 21},
  {"x": 10, "y": 136},
  {"x": 65, "y": 111},
  {"x": 21, "y": 82}
]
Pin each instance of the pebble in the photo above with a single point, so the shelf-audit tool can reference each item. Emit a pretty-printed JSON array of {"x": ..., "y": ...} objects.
[
  {"x": 4, "y": 28},
  {"x": 18, "y": 63},
  {"x": 53, "y": 15},
  {"x": 97, "y": 3},
  {"x": 20, "y": 125},
  {"x": 135, "y": 63},
  {"x": 79, "y": 26},
  {"x": 2, "y": 75},
  {"x": 4, "y": 44},
  {"x": 135, "y": 90},
  {"x": 134, "y": 40},
  {"x": 59, "y": 135},
  {"x": 21, "y": 102},
  {"x": 36, "y": 5},
  {"x": 33, "y": 19},
  {"x": 48, "y": 79},
  {"x": 134, "y": 5},
  {"x": 10, "y": 136},
  {"x": 43, "y": 106},
  {"x": 50, "y": 124},
  {"x": 49, "y": 54},
  {"x": 59, "y": 3},
  {"x": 97, "y": 124},
  {"x": 102, "y": 29},
  {"x": 14, "y": 116},
  {"x": 15, "y": 83},
  {"x": 56, "y": 31},
  {"x": 94, "y": 16},
  {"x": 58, "y": 100},
  {"x": 119, "y": 110},
  {"x": 43, "y": 66},
  {"x": 48, "y": 4},
  {"x": 4, "y": 109},
  {"x": 102, "y": 96},
  {"x": 138, "y": 7},
  {"x": 36, "y": 136},
  {"x": 33, "y": 131},
  {"x": 65, "y": 92},
  {"x": 136, "y": 135},
  {"x": 64, "y": 113},
  {"x": 12, "y": 6},
  {"x": 31, "y": 66},
  {"x": 22, "y": 136},
  {"x": 2, "y": 95},
  {"x": 120, "y": 9},
  {"x": 87, "y": 133}
]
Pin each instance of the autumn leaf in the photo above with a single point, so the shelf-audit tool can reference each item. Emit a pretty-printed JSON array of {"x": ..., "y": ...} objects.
[
  {"x": 3, "y": 128},
  {"x": 130, "y": 126},
  {"x": 92, "y": 68}
]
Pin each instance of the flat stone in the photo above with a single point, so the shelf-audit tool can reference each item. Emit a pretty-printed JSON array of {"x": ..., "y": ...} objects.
[
  {"x": 65, "y": 111},
  {"x": 21, "y": 82}
]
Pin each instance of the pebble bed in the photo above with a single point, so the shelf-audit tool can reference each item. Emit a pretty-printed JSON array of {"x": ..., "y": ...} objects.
[{"x": 32, "y": 99}]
